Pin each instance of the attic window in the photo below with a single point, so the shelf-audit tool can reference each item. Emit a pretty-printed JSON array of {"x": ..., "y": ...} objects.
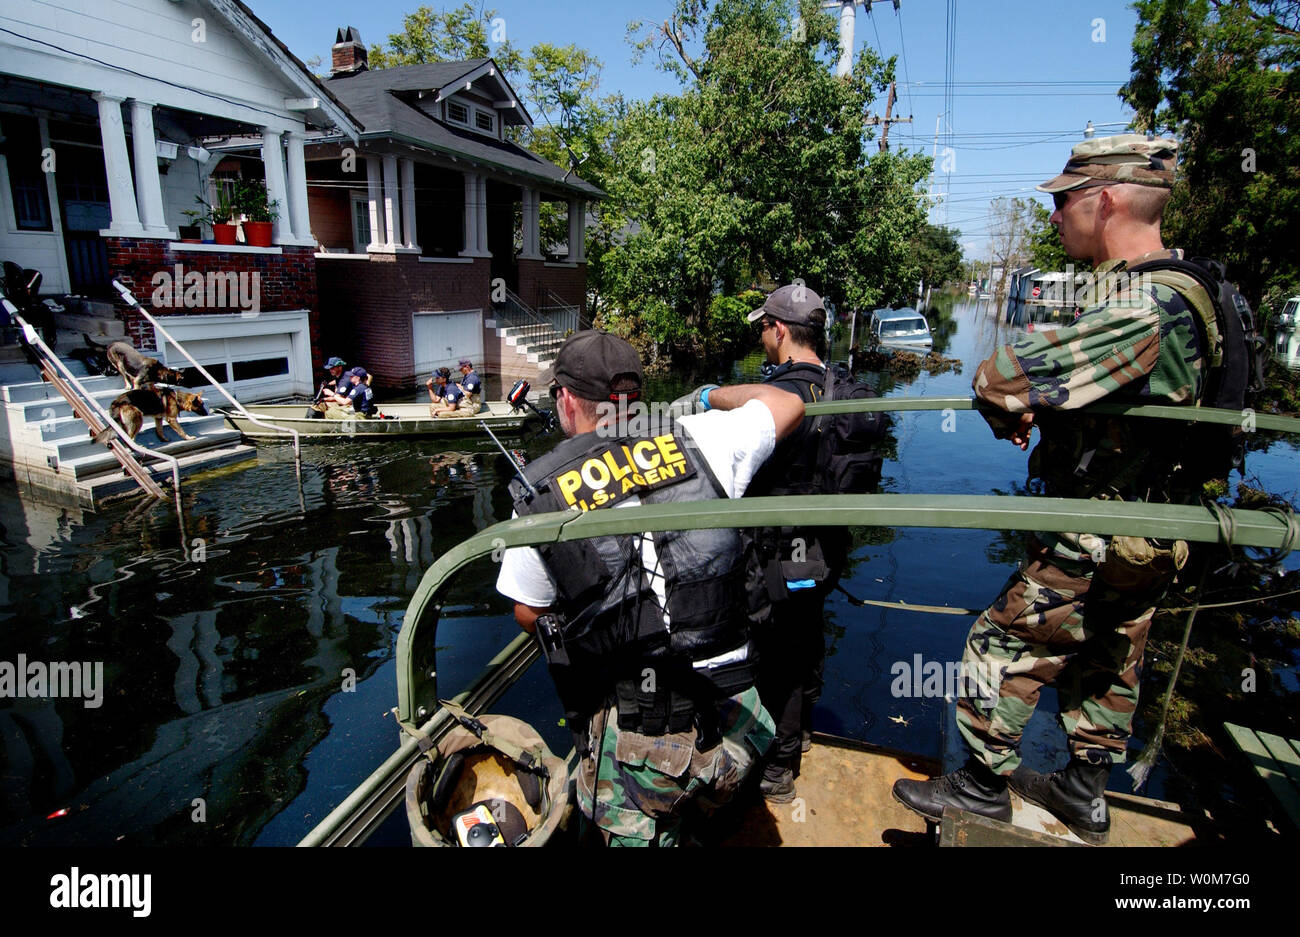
[
  {"x": 457, "y": 112},
  {"x": 484, "y": 121}
]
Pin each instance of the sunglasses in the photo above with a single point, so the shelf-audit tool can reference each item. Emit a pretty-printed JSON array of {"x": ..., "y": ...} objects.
[
  {"x": 1060, "y": 198},
  {"x": 555, "y": 392}
]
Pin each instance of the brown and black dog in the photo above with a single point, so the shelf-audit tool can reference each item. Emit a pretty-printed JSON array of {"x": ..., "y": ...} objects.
[
  {"x": 161, "y": 403},
  {"x": 137, "y": 370}
]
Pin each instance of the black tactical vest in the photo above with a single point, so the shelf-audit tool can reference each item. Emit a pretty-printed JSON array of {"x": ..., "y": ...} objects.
[{"x": 615, "y": 636}]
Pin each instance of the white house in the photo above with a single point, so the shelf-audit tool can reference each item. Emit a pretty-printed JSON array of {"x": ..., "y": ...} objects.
[{"x": 105, "y": 106}]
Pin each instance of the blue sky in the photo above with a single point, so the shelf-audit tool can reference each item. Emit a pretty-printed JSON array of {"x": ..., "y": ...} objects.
[{"x": 1028, "y": 75}]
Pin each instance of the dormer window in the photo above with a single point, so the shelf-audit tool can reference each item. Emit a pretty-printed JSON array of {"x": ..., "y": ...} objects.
[
  {"x": 457, "y": 113},
  {"x": 485, "y": 121}
]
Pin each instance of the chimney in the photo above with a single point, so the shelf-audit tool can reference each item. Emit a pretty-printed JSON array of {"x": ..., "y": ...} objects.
[{"x": 348, "y": 55}]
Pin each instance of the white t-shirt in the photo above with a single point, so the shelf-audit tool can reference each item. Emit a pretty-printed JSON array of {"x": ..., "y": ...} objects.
[{"x": 734, "y": 443}]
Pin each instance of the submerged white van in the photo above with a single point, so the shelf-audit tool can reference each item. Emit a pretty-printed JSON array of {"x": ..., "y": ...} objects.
[{"x": 900, "y": 327}]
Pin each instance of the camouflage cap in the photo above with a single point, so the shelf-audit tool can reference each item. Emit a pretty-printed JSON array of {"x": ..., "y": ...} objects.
[{"x": 1127, "y": 157}]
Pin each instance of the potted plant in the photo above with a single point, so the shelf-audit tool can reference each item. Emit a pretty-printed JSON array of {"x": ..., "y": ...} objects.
[
  {"x": 192, "y": 233},
  {"x": 221, "y": 217},
  {"x": 260, "y": 211}
]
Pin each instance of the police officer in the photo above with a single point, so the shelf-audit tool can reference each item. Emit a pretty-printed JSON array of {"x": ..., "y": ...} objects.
[
  {"x": 646, "y": 635},
  {"x": 471, "y": 384},
  {"x": 334, "y": 391},
  {"x": 1077, "y": 613},
  {"x": 802, "y": 565}
]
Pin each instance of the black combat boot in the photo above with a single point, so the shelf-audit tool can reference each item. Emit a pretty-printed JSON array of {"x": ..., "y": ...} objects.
[
  {"x": 1075, "y": 795},
  {"x": 972, "y": 787},
  {"x": 777, "y": 785}
]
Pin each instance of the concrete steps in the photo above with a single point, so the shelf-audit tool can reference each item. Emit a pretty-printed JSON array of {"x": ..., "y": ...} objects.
[
  {"x": 539, "y": 344},
  {"x": 48, "y": 448},
  {"x": 88, "y": 458}
]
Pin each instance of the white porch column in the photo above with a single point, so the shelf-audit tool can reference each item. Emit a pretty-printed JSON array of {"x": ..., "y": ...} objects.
[
  {"x": 475, "y": 216},
  {"x": 577, "y": 230},
  {"x": 390, "y": 202},
  {"x": 276, "y": 190},
  {"x": 373, "y": 190},
  {"x": 298, "y": 213},
  {"x": 482, "y": 217},
  {"x": 117, "y": 166},
  {"x": 408, "y": 205},
  {"x": 148, "y": 187},
  {"x": 531, "y": 220}
]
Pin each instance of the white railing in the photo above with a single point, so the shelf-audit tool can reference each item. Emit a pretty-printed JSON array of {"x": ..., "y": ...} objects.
[
  {"x": 34, "y": 339},
  {"x": 135, "y": 304}
]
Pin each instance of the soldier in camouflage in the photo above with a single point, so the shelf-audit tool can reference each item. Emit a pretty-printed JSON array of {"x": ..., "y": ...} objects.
[{"x": 1077, "y": 612}]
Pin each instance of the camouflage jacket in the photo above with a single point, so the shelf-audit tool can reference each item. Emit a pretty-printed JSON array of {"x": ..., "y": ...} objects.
[{"x": 1139, "y": 344}]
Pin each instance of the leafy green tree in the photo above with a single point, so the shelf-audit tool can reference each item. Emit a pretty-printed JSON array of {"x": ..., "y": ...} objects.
[
  {"x": 939, "y": 254},
  {"x": 1220, "y": 75},
  {"x": 756, "y": 173},
  {"x": 572, "y": 125},
  {"x": 448, "y": 36}
]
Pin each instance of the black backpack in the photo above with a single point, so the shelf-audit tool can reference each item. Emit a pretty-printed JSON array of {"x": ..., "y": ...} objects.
[
  {"x": 847, "y": 460},
  {"x": 1239, "y": 376}
]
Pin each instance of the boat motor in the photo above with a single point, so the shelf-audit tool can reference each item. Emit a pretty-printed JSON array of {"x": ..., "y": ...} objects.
[{"x": 518, "y": 400}]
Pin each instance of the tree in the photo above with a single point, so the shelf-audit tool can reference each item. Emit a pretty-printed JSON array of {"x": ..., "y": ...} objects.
[
  {"x": 939, "y": 255},
  {"x": 449, "y": 36},
  {"x": 1010, "y": 220},
  {"x": 572, "y": 126},
  {"x": 756, "y": 173},
  {"x": 1220, "y": 75}
]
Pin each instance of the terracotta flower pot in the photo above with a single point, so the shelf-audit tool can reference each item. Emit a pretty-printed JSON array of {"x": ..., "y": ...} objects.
[
  {"x": 224, "y": 233},
  {"x": 258, "y": 233}
]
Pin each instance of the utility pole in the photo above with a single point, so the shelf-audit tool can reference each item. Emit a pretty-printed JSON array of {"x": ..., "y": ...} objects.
[{"x": 887, "y": 120}]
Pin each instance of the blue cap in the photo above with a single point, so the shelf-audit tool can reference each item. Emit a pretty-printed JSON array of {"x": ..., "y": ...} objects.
[
  {"x": 358, "y": 372},
  {"x": 335, "y": 363}
]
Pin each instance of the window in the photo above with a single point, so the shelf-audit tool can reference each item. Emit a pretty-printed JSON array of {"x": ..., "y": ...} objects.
[
  {"x": 457, "y": 112},
  {"x": 194, "y": 379},
  {"x": 20, "y": 143},
  {"x": 484, "y": 121},
  {"x": 360, "y": 222},
  {"x": 262, "y": 367}
]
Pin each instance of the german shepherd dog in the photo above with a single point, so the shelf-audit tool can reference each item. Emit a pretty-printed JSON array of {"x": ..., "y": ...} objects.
[
  {"x": 137, "y": 370},
  {"x": 130, "y": 409}
]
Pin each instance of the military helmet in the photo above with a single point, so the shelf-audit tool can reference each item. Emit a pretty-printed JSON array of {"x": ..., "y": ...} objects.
[{"x": 489, "y": 771}]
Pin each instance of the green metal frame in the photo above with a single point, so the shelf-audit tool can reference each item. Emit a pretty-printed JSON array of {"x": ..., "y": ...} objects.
[{"x": 417, "y": 684}]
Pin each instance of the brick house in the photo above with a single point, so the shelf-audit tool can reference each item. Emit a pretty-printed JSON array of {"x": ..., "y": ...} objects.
[
  {"x": 108, "y": 110},
  {"x": 428, "y": 229}
]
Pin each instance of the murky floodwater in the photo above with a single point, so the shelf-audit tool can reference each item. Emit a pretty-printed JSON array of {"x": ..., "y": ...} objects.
[{"x": 246, "y": 692}]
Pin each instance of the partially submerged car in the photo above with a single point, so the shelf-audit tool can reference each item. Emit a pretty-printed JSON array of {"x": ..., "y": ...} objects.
[{"x": 904, "y": 328}]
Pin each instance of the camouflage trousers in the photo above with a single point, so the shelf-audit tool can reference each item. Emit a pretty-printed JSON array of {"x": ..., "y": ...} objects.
[
  {"x": 643, "y": 782},
  {"x": 1057, "y": 623}
]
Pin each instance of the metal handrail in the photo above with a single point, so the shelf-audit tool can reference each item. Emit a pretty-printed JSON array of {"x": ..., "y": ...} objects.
[
  {"x": 135, "y": 304},
  {"x": 37, "y": 342}
]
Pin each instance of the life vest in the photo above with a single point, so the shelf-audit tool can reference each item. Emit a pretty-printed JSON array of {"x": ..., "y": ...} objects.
[{"x": 613, "y": 640}]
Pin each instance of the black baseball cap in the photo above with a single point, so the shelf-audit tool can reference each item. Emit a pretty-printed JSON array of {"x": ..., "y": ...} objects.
[
  {"x": 589, "y": 362},
  {"x": 795, "y": 304}
]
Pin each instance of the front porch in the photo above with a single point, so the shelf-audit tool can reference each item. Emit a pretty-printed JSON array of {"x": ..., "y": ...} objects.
[{"x": 424, "y": 261}]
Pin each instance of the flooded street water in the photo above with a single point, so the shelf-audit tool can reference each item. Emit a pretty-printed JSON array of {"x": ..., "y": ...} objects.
[{"x": 246, "y": 690}]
